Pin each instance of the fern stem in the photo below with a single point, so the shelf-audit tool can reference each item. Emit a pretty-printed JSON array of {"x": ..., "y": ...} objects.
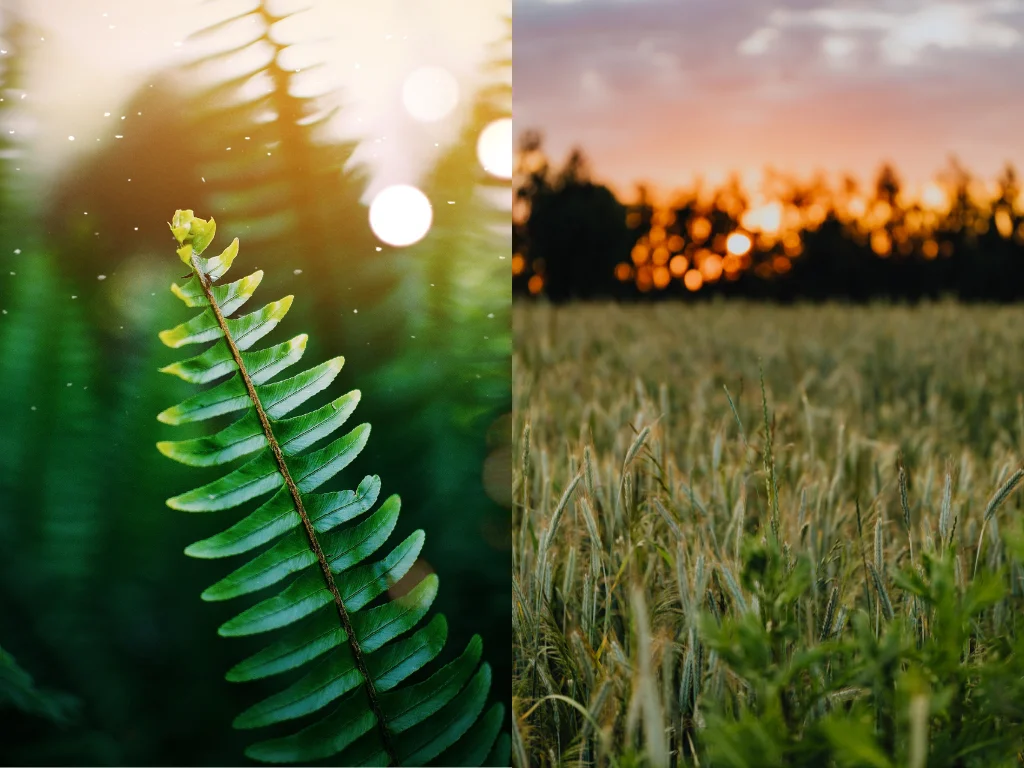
[{"x": 307, "y": 524}]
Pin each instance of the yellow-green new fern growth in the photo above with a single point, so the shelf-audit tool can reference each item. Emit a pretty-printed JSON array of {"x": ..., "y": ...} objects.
[{"x": 358, "y": 649}]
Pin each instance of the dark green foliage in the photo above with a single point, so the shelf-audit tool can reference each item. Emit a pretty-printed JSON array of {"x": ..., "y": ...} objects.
[
  {"x": 853, "y": 699},
  {"x": 19, "y": 691},
  {"x": 331, "y": 608}
]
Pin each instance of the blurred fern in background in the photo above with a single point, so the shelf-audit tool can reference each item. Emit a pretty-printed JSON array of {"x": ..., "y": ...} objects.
[{"x": 454, "y": 367}]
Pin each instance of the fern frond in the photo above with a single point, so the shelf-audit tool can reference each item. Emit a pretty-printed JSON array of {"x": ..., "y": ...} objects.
[
  {"x": 334, "y": 614},
  {"x": 19, "y": 691}
]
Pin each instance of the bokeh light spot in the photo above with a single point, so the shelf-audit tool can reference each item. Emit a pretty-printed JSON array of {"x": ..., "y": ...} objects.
[
  {"x": 662, "y": 277},
  {"x": 400, "y": 215},
  {"x": 494, "y": 148},
  {"x": 711, "y": 268},
  {"x": 678, "y": 266},
  {"x": 738, "y": 243},
  {"x": 693, "y": 280}
]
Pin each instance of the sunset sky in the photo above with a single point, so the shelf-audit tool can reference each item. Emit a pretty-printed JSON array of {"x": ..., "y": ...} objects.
[{"x": 662, "y": 90}]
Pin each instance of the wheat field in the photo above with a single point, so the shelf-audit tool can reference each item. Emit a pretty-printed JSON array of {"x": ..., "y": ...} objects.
[{"x": 768, "y": 536}]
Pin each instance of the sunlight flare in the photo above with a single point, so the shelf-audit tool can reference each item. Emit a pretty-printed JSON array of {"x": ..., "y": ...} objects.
[{"x": 400, "y": 215}]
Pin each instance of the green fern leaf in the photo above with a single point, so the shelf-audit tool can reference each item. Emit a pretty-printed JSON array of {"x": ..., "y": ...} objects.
[
  {"x": 19, "y": 691},
  {"x": 334, "y": 615}
]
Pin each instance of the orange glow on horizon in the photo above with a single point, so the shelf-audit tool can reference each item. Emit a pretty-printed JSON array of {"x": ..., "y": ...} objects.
[
  {"x": 764, "y": 218},
  {"x": 693, "y": 280},
  {"x": 678, "y": 266},
  {"x": 881, "y": 243},
  {"x": 662, "y": 277},
  {"x": 792, "y": 244},
  {"x": 700, "y": 228},
  {"x": 1004, "y": 223},
  {"x": 644, "y": 279},
  {"x": 738, "y": 243},
  {"x": 711, "y": 268},
  {"x": 700, "y": 238},
  {"x": 933, "y": 196}
]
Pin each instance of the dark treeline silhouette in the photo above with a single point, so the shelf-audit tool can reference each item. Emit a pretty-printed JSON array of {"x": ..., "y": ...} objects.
[{"x": 574, "y": 240}]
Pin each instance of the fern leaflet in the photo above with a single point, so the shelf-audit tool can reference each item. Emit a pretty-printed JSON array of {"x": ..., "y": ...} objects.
[{"x": 355, "y": 645}]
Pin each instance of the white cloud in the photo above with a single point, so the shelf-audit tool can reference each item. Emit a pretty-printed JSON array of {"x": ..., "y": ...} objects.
[
  {"x": 904, "y": 36},
  {"x": 946, "y": 27},
  {"x": 759, "y": 42},
  {"x": 838, "y": 48}
]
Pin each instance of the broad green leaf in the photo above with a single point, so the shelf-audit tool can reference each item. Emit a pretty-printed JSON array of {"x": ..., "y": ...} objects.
[
  {"x": 254, "y": 478},
  {"x": 329, "y": 510},
  {"x": 299, "y": 599},
  {"x": 411, "y": 706},
  {"x": 278, "y": 516},
  {"x": 351, "y": 719},
  {"x": 422, "y": 743},
  {"x": 283, "y": 396},
  {"x": 336, "y": 675},
  {"x": 351, "y": 546},
  {"x": 314, "y": 469},
  {"x": 231, "y": 395},
  {"x": 329, "y": 678},
  {"x": 309, "y": 592},
  {"x": 242, "y": 438},
  {"x": 500, "y": 755},
  {"x": 248, "y": 329},
  {"x": 288, "y": 556},
  {"x": 245, "y": 330},
  {"x": 226, "y": 397},
  {"x": 394, "y": 662},
  {"x": 292, "y": 554},
  {"x": 299, "y": 645},
  {"x": 475, "y": 747},
  {"x": 300, "y": 432},
  {"x": 362, "y": 584},
  {"x": 229, "y": 297},
  {"x": 200, "y": 328},
  {"x": 381, "y": 625},
  {"x": 217, "y": 361},
  {"x": 218, "y": 265}
]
